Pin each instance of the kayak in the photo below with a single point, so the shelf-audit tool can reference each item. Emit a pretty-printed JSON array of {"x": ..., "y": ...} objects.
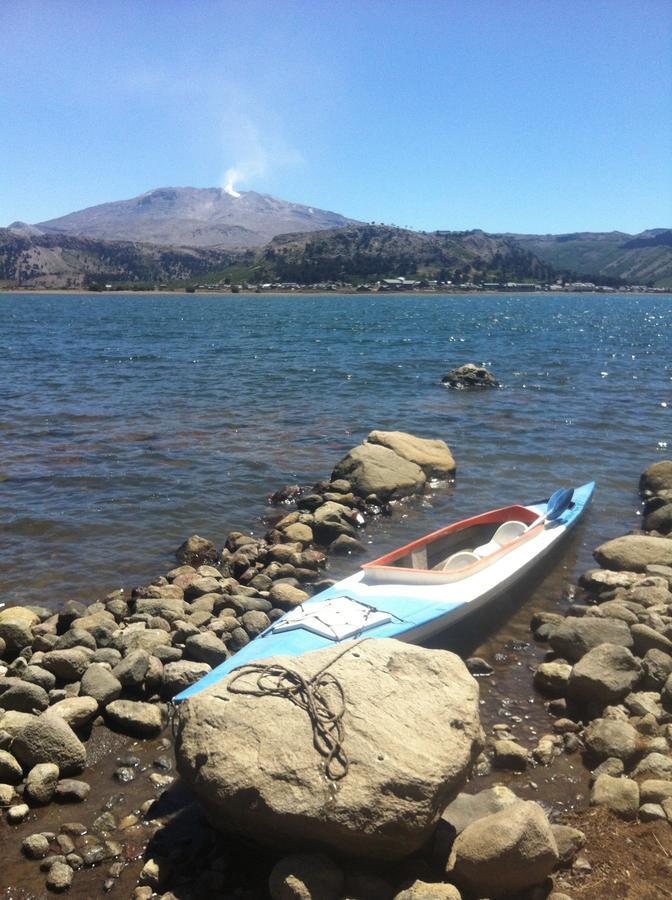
[{"x": 422, "y": 588}]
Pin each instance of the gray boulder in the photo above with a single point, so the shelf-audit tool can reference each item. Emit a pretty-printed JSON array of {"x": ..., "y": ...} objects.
[
  {"x": 134, "y": 718},
  {"x": 98, "y": 682},
  {"x": 24, "y": 697},
  {"x": 66, "y": 665},
  {"x": 657, "y": 478},
  {"x": 405, "y": 761},
  {"x": 620, "y": 795},
  {"x": 373, "y": 469},
  {"x": 634, "y": 552},
  {"x": 180, "y": 675},
  {"x": 657, "y": 669},
  {"x": 16, "y": 624},
  {"x": 433, "y": 456},
  {"x": 576, "y": 636},
  {"x": 646, "y": 638},
  {"x": 504, "y": 853},
  {"x": 131, "y": 671},
  {"x": 76, "y": 711},
  {"x": 286, "y": 596},
  {"x": 659, "y": 519},
  {"x": 10, "y": 769},
  {"x": 38, "y": 675},
  {"x": 569, "y": 841},
  {"x": 196, "y": 550},
  {"x": 49, "y": 739},
  {"x": 605, "y": 675},
  {"x": 41, "y": 783},
  {"x": 468, "y": 808},
  {"x": 654, "y": 766},
  {"x": 332, "y": 520},
  {"x": 206, "y": 648},
  {"x": 552, "y": 678},
  {"x": 611, "y": 738}
]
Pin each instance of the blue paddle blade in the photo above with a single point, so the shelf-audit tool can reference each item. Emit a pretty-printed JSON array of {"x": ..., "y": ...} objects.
[{"x": 558, "y": 503}]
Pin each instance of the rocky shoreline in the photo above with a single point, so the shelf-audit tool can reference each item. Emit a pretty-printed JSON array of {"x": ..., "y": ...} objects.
[{"x": 72, "y": 681}]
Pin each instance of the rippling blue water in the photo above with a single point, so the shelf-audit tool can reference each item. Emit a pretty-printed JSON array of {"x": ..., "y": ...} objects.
[{"x": 130, "y": 422}]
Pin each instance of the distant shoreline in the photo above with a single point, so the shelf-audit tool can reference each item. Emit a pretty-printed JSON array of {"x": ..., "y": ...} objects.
[{"x": 661, "y": 292}]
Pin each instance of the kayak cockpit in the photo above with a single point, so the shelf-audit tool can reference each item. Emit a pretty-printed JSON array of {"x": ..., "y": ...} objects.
[{"x": 457, "y": 551}]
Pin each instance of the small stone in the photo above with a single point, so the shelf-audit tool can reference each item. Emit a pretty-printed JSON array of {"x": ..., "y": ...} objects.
[
  {"x": 155, "y": 872},
  {"x": 552, "y": 678},
  {"x": 59, "y": 877},
  {"x": 7, "y": 793},
  {"x": 510, "y": 755},
  {"x": 16, "y": 814},
  {"x": 479, "y": 667},
  {"x": 124, "y": 775},
  {"x": 569, "y": 841},
  {"x": 35, "y": 846},
  {"x": 70, "y": 790},
  {"x": 650, "y": 812},
  {"x": 305, "y": 875},
  {"x": 423, "y": 890},
  {"x": 41, "y": 783}
]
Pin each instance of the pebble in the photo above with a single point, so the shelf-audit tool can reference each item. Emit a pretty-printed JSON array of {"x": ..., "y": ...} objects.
[
  {"x": 70, "y": 790},
  {"x": 59, "y": 877},
  {"x": 17, "y": 814},
  {"x": 124, "y": 774},
  {"x": 36, "y": 846},
  {"x": 76, "y": 829}
]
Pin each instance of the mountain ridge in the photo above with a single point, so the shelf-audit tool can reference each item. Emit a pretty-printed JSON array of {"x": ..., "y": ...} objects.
[{"x": 196, "y": 217}]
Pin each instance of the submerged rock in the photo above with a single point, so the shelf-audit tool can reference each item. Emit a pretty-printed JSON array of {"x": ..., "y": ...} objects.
[
  {"x": 405, "y": 761},
  {"x": 469, "y": 376}
]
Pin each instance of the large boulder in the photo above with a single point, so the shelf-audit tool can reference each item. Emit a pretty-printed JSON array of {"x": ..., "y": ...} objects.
[
  {"x": 504, "y": 853},
  {"x": 433, "y": 456},
  {"x": 411, "y": 732},
  {"x": 196, "y": 550},
  {"x": 659, "y": 519},
  {"x": 634, "y": 552},
  {"x": 49, "y": 739},
  {"x": 374, "y": 469},
  {"x": 657, "y": 478},
  {"x": 576, "y": 636},
  {"x": 606, "y": 674},
  {"x": 16, "y": 625}
]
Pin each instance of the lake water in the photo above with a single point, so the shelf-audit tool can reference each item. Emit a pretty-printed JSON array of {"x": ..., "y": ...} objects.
[{"x": 129, "y": 422}]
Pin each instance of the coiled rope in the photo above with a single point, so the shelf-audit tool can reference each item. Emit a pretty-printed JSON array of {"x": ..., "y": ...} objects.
[{"x": 321, "y": 696}]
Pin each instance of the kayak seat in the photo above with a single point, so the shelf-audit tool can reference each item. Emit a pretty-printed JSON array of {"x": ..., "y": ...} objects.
[
  {"x": 459, "y": 560},
  {"x": 507, "y": 532}
]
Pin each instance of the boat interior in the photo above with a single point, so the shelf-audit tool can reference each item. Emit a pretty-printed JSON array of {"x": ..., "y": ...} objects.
[{"x": 461, "y": 545}]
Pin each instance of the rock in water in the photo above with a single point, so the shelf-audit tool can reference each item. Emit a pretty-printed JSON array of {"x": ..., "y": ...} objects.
[
  {"x": 634, "y": 552},
  {"x": 373, "y": 469},
  {"x": 469, "y": 376},
  {"x": 506, "y": 852},
  {"x": 433, "y": 456},
  {"x": 411, "y": 734}
]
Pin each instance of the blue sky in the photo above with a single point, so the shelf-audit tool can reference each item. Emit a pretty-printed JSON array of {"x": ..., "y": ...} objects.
[{"x": 534, "y": 115}]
